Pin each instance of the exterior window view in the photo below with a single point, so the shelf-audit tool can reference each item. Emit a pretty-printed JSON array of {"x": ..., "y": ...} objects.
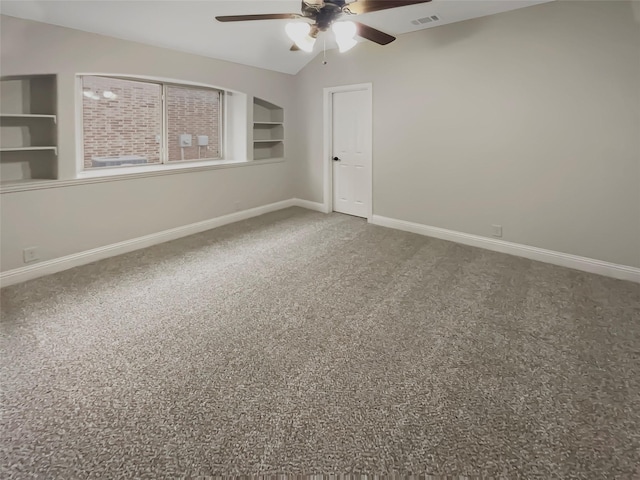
[
  {"x": 122, "y": 122},
  {"x": 193, "y": 121}
]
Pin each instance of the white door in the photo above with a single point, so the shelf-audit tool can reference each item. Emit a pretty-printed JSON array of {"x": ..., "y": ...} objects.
[{"x": 351, "y": 151}]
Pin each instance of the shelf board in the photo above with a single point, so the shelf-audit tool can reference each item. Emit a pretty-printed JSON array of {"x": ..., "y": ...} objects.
[
  {"x": 267, "y": 123},
  {"x": 28, "y": 149},
  {"x": 276, "y": 140},
  {"x": 27, "y": 115}
]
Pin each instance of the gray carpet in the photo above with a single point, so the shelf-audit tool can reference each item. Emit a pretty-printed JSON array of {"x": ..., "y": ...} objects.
[{"x": 305, "y": 343}]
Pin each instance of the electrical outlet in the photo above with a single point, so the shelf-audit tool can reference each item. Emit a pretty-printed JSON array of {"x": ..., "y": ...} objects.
[
  {"x": 30, "y": 254},
  {"x": 496, "y": 230}
]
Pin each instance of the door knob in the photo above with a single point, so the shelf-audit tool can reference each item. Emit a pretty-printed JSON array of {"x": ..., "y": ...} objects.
[{"x": 336, "y": 159}]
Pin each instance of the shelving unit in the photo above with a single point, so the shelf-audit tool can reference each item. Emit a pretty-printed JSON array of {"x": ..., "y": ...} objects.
[
  {"x": 26, "y": 115},
  {"x": 268, "y": 130},
  {"x": 25, "y": 149},
  {"x": 28, "y": 129}
]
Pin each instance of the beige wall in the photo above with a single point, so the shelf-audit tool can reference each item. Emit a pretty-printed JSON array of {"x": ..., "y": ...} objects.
[
  {"x": 62, "y": 221},
  {"x": 67, "y": 220},
  {"x": 529, "y": 119}
]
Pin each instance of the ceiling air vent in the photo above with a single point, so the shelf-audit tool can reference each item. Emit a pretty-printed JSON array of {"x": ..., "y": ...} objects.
[{"x": 422, "y": 21}]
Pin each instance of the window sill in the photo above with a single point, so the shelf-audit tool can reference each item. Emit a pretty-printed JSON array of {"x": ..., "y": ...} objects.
[
  {"x": 128, "y": 173},
  {"x": 153, "y": 168}
]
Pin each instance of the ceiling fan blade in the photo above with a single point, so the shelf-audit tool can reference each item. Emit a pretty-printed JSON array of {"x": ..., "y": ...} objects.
[
  {"x": 370, "y": 33},
  {"x": 366, "y": 6},
  {"x": 262, "y": 16}
]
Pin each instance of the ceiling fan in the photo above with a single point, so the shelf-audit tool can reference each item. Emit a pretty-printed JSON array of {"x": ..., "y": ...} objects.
[{"x": 327, "y": 14}]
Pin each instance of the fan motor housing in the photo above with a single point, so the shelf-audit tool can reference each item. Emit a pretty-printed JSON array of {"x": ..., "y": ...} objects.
[{"x": 324, "y": 16}]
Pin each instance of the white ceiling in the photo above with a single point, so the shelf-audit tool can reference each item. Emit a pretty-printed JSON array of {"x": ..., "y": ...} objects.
[{"x": 190, "y": 26}]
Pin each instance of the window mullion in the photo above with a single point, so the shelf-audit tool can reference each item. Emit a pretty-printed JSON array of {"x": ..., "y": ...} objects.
[
  {"x": 221, "y": 124},
  {"x": 165, "y": 126}
]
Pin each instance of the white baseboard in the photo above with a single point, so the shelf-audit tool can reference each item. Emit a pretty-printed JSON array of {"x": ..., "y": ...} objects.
[
  {"x": 585, "y": 264},
  {"x": 55, "y": 265},
  {"x": 309, "y": 205}
]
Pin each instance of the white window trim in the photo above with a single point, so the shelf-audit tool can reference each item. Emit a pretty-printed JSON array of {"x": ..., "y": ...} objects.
[
  {"x": 161, "y": 167},
  {"x": 82, "y": 173}
]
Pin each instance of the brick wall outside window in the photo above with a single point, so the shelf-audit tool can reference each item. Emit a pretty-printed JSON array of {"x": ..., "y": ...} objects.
[
  {"x": 128, "y": 124},
  {"x": 194, "y": 111},
  {"x": 123, "y": 118}
]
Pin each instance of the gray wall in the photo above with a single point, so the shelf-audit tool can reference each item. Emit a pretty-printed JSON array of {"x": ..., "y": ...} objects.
[
  {"x": 529, "y": 119},
  {"x": 67, "y": 220}
]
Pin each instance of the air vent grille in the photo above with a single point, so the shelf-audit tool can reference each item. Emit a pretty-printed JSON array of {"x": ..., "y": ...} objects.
[{"x": 429, "y": 19}]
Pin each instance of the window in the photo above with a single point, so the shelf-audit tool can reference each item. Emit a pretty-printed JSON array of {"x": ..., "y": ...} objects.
[
  {"x": 193, "y": 116},
  {"x": 133, "y": 123}
]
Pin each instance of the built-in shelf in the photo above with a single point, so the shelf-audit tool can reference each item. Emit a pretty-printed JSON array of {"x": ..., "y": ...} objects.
[
  {"x": 26, "y": 149},
  {"x": 28, "y": 130},
  {"x": 27, "y": 115},
  {"x": 268, "y": 130}
]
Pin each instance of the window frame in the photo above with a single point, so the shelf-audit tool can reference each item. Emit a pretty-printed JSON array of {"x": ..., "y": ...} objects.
[{"x": 165, "y": 163}]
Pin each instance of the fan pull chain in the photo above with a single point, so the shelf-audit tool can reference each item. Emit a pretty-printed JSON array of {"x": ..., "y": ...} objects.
[{"x": 324, "y": 51}]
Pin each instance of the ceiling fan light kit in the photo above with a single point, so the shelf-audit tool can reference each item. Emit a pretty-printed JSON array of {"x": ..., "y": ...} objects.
[
  {"x": 345, "y": 33},
  {"x": 328, "y": 13},
  {"x": 299, "y": 32}
]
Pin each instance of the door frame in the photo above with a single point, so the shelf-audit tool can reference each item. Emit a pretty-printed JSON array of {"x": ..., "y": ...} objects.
[{"x": 328, "y": 143}]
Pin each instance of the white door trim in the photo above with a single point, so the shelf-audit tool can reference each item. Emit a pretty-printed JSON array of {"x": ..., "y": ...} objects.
[{"x": 326, "y": 154}]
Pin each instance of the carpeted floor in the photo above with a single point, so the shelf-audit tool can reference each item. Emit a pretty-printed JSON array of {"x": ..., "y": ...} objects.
[{"x": 304, "y": 343}]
